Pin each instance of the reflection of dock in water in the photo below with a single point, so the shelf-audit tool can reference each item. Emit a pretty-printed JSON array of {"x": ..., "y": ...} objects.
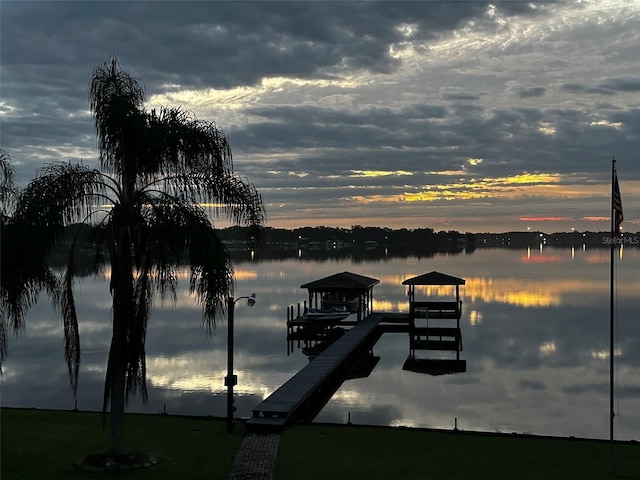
[
  {"x": 430, "y": 328},
  {"x": 340, "y": 349}
]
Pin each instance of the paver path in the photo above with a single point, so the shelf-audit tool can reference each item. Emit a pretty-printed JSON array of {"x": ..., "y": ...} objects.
[{"x": 256, "y": 457}]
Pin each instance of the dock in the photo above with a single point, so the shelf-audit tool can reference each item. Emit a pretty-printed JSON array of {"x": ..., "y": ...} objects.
[
  {"x": 304, "y": 394},
  {"x": 431, "y": 327},
  {"x": 336, "y": 346}
]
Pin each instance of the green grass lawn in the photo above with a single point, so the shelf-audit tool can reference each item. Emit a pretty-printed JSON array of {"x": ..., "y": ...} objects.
[
  {"x": 40, "y": 444},
  {"x": 340, "y": 452}
]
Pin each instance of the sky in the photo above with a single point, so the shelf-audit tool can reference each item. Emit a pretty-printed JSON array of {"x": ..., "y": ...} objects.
[{"x": 456, "y": 115}]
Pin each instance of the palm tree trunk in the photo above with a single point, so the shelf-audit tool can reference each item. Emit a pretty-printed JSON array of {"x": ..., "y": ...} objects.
[
  {"x": 118, "y": 381},
  {"x": 122, "y": 284}
]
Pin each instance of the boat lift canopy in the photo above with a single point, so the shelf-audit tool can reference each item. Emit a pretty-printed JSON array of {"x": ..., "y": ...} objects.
[
  {"x": 346, "y": 289},
  {"x": 435, "y": 278},
  {"x": 444, "y": 309}
]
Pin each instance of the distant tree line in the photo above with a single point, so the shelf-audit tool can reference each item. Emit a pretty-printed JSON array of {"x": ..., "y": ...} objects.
[
  {"x": 361, "y": 243},
  {"x": 423, "y": 238},
  {"x": 356, "y": 236}
]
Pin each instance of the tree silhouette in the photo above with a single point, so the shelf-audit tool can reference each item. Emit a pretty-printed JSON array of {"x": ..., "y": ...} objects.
[
  {"x": 23, "y": 270},
  {"x": 163, "y": 175}
]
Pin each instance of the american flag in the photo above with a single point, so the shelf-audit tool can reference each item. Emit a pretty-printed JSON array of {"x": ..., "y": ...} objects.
[{"x": 617, "y": 205}]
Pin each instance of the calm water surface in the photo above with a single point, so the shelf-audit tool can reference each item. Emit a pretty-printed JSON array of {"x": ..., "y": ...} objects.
[{"x": 535, "y": 330}]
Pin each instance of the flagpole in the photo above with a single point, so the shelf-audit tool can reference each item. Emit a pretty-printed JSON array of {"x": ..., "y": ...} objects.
[{"x": 611, "y": 303}]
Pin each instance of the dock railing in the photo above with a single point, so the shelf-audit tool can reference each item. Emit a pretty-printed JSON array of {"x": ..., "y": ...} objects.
[
  {"x": 435, "y": 337},
  {"x": 438, "y": 309}
]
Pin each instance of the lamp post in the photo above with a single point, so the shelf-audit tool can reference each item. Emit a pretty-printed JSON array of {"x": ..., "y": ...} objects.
[{"x": 231, "y": 380}]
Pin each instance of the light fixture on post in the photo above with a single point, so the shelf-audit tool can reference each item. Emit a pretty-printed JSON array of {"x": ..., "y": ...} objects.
[{"x": 231, "y": 380}]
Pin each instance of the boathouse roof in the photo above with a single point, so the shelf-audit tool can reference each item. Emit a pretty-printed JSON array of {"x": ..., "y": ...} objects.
[
  {"x": 434, "y": 278},
  {"x": 342, "y": 281}
]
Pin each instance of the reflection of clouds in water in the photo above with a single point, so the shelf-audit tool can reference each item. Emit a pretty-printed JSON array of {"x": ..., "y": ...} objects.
[
  {"x": 187, "y": 382},
  {"x": 184, "y": 273},
  {"x": 205, "y": 373},
  {"x": 390, "y": 306},
  {"x": 513, "y": 291},
  {"x": 604, "y": 354},
  {"x": 533, "y": 400},
  {"x": 535, "y": 339},
  {"x": 547, "y": 348},
  {"x": 363, "y": 414},
  {"x": 475, "y": 318}
]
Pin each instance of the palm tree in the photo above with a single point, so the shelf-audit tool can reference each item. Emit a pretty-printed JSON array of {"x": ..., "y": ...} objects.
[
  {"x": 23, "y": 272},
  {"x": 162, "y": 175}
]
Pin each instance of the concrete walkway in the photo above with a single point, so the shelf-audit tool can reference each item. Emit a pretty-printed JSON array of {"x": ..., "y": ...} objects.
[{"x": 256, "y": 457}]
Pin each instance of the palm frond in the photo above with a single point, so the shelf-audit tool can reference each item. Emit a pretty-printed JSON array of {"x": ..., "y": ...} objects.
[
  {"x": 211, "y": 274},
  {"x": 23, "y": 271},
  {"x": 116, "y": 101},
  {"x": 3, "y": 339},
  {"x": 70, "y": 325},
  {"x": 236, "y": 198},
  {"x": 181, "y": 231},
  {"x": 61, "y": 194},
  {"x": 8, "y": 191},
  {"x": 211, "y": 269},
  {"x": 21, "y": 280},
  {"x": 70, "y": 316},
  {"x": 137, "y": 333},
  {"x": 180, "y": 142}
]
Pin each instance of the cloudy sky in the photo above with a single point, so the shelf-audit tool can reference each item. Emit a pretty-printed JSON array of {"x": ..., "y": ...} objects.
[{"x": 463, "y": 115}]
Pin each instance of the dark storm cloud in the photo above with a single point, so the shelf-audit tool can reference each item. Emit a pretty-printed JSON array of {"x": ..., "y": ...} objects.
[
  {"x": 329, "y": 127},
  {"x": 581, "y": 89},
  {"x": 529, "y": 92},
  {"x": 622, "y": 84},
  {"x": 531, "y": 385},
  {"x": 50, "y": 48},
  {"x": 609, "y": 86},
  {"x": 323, "y": 138},
  {"x": 225, "y": 44},
  {"x": 463, "y": 97}
]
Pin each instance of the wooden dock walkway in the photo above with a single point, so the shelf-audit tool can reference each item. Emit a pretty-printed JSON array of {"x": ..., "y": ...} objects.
[{"x": 304, "y": 394}]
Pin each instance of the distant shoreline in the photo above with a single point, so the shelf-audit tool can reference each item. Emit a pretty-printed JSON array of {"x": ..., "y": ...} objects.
[{"x": 358, "y": 242}]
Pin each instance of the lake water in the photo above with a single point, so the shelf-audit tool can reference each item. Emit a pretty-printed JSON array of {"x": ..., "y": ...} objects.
[{"x": 535, "y": 329}]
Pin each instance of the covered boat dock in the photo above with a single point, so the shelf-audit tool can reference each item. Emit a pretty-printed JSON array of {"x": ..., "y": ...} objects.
[
  {"x": 349, "y": 290},
  {"x": 430, "y": 326},
  {"x": 341, "y": 356}
]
